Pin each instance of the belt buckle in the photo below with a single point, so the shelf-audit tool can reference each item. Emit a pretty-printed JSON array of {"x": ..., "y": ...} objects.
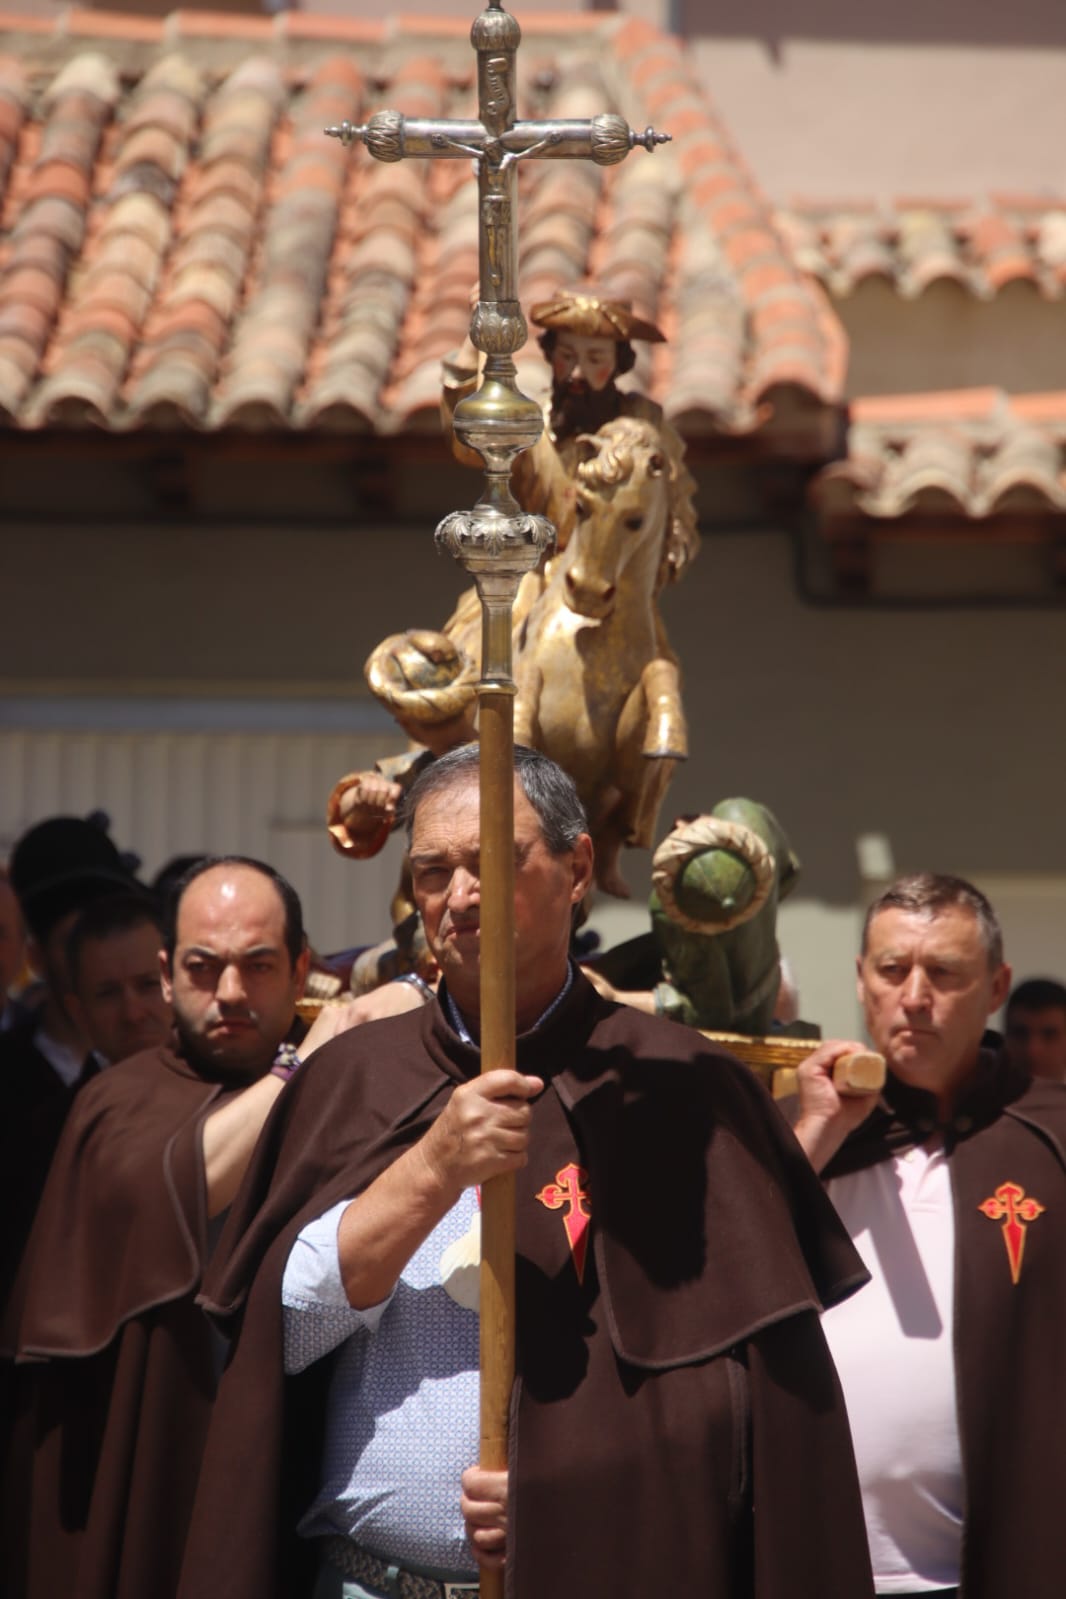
[{"x": 461, "y": 1590}]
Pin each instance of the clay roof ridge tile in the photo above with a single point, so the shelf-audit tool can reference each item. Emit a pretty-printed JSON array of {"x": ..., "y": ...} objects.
[
  {"x": 257, "y": 75},
  {"x": 56, "y": 195},
  {"x": 125, "y": 272},
  {"x": 629, "y": 35},
  {"x": 14, "y": 83},
  {"x": 983, "y": 247},
  {"x": 299, "y": 25},
  {"x": 1051, "y": 240},
  {"x": 913, "y": 280},
  {"x": 384, "y": 314},
  {"x": 225, "y": 25},
  {"x": 857, "y": 268},
  {"x": 155, "y": 146},
  {"x": 920, "y": 231},
  {"x": 175, "y": 73},
  {"x": 972, "y": 448},
  {"x": 89, "y": 73},
  {"x": 75, "y": 21},
  {"x": 156, "y": 116}
]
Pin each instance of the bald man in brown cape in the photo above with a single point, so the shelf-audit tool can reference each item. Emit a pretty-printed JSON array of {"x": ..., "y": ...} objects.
[
  {"x": 677, "y": 1427},
  {"x": 117, "y": 1365}
]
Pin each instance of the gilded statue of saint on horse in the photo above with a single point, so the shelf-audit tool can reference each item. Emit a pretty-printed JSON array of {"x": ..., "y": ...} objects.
[{"x": 598, "y": 685}]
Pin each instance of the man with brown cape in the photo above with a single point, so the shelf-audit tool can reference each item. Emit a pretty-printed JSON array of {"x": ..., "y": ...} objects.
[
  {"x": 117, "y": 1366},
  {"x": 58, "y": 868},
  {"x": 954, "y": 1189},
  {"x": 676, "y": 1427}
]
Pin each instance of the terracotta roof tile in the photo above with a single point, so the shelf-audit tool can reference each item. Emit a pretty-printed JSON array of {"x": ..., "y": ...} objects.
[
  {"x": 186, "y": 248},
  {"x": 25, "y": 326},
  {"x": 110, "y": 25},
  {"x": 158, "y": 147},
  {"x": 49, "y": 228},
  {"x": 983, "y": 247},
  {"x": 967, "y": 454},
  {"x": 12, "y": 112},
  {"x": 28, "y": 24},
  {"x": 330, "y": 29},
  {"x": 102, "y": 318},
  {"x": 219, "y": 25}
]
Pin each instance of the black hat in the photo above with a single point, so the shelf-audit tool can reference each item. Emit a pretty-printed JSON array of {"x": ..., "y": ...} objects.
[{"x": 61, "y": 865}]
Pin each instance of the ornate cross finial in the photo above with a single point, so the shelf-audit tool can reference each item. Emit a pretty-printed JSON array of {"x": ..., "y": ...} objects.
[{"x": 497, "y": 539}]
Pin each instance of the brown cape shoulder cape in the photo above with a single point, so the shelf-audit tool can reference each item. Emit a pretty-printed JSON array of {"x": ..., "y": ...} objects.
[
  {"x": 36, "y": 1103},
  {"x": 1010, "y": 1373},
  {"x": 713, "y": 1246},
  {"x": 116, "y": 1368}
]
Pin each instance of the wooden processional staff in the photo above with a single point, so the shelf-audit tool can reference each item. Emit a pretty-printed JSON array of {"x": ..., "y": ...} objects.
[{"x": 497, "y": 543}]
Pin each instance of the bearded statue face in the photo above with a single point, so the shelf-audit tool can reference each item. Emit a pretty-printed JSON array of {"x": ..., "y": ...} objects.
[
  {"x": 583, "y": 393},
  {"x": 580, "y": 363}
]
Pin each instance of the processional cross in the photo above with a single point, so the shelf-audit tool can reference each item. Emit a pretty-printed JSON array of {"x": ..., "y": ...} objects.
[{"x": 497, "y": 543}]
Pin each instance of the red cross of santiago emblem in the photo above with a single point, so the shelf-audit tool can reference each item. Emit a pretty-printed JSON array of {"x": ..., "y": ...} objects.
[
  {"x": 567, "y": 1190},
  {"x": 1010, "y": 1206}
]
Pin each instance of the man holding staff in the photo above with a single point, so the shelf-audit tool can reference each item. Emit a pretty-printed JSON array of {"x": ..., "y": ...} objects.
[{"x": 676, "y": 1422}]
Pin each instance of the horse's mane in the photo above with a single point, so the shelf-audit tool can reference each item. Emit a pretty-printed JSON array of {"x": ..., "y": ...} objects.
[{"x": 616, "y": 445}]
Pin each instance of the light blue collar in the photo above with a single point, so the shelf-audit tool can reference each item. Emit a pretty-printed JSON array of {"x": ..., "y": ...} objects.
[{"x": 455, "y": 1015}]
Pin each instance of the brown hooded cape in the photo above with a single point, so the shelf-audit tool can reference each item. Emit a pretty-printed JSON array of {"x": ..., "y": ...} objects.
[
  {"x": 1010, "y": 1371},
  {"x": 36, "y": 1104},
  {"x": 681, "y": 1382},
  {"x": 116, "y": 1365}
]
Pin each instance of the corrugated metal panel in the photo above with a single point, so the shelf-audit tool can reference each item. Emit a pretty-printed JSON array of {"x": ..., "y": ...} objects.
[{"x": 173, "y": 793}]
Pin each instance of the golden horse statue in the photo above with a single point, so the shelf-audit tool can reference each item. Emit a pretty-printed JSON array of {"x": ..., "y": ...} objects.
[{"x": 598, "y": 685}]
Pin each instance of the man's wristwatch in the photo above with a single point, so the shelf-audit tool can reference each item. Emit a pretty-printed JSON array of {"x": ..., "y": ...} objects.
[
  {"x": 417, "y": 982},
  {"x": 286, "y": 1062}
]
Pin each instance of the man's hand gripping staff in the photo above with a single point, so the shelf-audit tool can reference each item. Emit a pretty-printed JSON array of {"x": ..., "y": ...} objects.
[
  {"x": 482, "y": 1132},
  {"x": 838, "y": 1086}
]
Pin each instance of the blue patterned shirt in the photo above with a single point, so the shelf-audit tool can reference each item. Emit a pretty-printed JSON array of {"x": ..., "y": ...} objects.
[{"x": 402, "y": 1414}]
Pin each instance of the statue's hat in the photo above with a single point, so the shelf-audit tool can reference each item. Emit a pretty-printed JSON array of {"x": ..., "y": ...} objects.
[
  {"x": 573, "y": 311},
  {"x": 422, "y": 675}
]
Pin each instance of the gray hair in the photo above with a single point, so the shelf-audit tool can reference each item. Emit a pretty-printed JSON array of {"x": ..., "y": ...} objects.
[
  {"x": 929, "y": 893},
  {"x": 546, "y": 786}
]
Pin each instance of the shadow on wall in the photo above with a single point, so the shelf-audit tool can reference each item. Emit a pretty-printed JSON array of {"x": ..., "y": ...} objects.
[{"x": 936, "y": 728}]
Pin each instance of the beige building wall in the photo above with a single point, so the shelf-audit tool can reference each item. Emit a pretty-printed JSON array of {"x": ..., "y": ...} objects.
[
  {"x": 949, "y": 339},
  {"x": 831, "y": 100},
  {"x": 940, "y": 730},
  {"x": 845, "y": 119}
]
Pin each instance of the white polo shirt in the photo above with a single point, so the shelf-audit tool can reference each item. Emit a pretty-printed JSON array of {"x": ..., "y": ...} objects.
[{"x": 894, "y": 1350}]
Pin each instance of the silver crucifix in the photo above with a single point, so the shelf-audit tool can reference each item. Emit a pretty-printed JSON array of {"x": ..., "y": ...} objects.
[{"x": 497, "y": 421}]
